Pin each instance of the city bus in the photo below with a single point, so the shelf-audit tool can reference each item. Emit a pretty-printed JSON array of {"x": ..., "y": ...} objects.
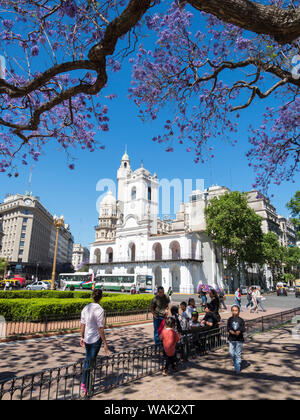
[
  {"x": 123, "y": 282},
  {"x": 147, "y": 280},
  {"x": 76, "y": 280}
]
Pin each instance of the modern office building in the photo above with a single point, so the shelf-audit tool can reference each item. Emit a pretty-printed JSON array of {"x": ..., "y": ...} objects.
[{"x": 28, "y": 236}]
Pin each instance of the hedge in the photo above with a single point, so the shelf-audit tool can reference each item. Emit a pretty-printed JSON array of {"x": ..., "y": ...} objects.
[
  {"x": 49, "y": 294},
  {"x": 40, "y": 309}
]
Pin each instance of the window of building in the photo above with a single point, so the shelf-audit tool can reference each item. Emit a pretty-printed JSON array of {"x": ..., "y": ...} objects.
[
  {"x": 133, "y": 193},
  {"x": 149, "y": 193}
]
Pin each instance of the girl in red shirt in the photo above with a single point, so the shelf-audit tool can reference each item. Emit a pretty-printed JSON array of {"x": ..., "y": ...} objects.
[{"x": 169, "y": 339}]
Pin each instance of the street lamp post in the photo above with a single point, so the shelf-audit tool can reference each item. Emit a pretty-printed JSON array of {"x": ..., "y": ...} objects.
[
  {"x": 36, "y": 271},
  {"x": 5, "y": 267},
  {"x": 58, "y": 223}
]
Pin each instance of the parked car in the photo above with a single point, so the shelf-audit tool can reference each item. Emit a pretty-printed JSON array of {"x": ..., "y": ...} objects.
[
  {"x": 244, "y": 290},
  {"x": 13, "y": 284},
  {"x": 38, "y": 285}
]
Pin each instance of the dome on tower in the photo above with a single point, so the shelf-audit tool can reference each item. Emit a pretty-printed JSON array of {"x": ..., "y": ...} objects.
[
  {"x": 125, "y": 156},
  {"x": 109, "y": 200}
]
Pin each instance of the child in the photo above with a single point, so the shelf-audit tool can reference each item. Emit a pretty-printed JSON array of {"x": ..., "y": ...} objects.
[
  {"x": 169, "y": 339},
  {"x": 191, "y": 307},
  {"x": 175, "y": 316},
  {"x": 236, "y": 328},
  {"x": 210, "y": 319},
  {"x": 194, "y": 321},
  {"x": 184, "y": 317}
]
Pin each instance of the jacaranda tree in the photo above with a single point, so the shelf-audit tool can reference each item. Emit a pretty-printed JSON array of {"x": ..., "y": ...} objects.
[{"x": 209, "y": 60}]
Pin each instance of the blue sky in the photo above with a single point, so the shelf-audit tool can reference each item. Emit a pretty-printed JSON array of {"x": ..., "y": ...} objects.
[{"x": 73, "y": 193}]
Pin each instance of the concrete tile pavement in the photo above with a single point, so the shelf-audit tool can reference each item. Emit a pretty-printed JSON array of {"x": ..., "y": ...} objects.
[
  {"x": 24, "y": 357},
  {"x": 272, "y": 371}
]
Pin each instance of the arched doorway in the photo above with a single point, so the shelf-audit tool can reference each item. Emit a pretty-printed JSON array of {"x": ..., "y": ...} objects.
[
  {"x": 158, "y": 276},
  {"x": 175, "y": 250},
  {"x": 132, "y": 251},
  {"x": 109, "y": 254},
  {"x": 97, "y": 256},
  {"x": 157, "y": 252},
  {"x": 194, "y": 247},
  {"x": 175, "y": 278},
  {"x": 195, "y": 277}
]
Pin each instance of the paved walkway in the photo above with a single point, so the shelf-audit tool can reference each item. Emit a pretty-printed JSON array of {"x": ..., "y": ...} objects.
[
  {"x": 272, "y": 371},
  {"x": 24, "y": 357}
]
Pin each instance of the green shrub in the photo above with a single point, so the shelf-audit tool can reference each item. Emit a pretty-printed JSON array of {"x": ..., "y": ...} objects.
[
  {"x": 49, "y": 294},
  {"x": 40, "y": 309}
]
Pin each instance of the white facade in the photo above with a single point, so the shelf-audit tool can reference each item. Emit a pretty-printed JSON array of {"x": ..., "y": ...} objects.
[
  {"x": 80, "y": 256},
  {"x": 131, "y": 239}
]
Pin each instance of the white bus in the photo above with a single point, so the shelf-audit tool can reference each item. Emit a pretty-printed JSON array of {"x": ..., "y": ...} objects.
[
  {"x": 74, "y": 281},
  {"x": 123, "y": 282}
]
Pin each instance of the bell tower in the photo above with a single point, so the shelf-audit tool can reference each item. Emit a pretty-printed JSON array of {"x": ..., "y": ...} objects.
[{"x": 123, "y": 173}]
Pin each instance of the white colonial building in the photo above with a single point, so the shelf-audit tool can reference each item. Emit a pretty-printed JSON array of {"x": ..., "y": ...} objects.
[{"x": 130, "y": 238}]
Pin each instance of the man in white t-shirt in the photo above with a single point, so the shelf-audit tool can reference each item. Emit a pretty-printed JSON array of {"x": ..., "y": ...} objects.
[{"x": 92, "y": 335}]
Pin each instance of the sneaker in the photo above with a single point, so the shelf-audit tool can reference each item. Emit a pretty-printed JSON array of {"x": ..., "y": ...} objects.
[{"x": 165, "y": 373}]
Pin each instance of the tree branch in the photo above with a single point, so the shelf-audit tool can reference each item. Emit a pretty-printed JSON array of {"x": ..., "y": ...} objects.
[{"x": 281, "y": 24}]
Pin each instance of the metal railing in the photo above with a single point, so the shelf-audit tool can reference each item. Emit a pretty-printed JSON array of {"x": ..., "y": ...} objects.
[
  {"x": 63, "y": 383},
  {"x": 59, "y": 323}
]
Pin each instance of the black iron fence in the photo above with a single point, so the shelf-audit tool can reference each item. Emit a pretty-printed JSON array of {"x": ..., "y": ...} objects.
[
  {"x": 63, "y": 383},
  {"x": 61, "y": 323}
]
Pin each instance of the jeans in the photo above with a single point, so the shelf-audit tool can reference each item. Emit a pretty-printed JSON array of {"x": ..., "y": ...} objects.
[
  {"x": 156, "y": 324},
  {"x": 249, "y": 304},
  {"x": 222, "y": 302},
  {"x": 91, "y": 353},
  {"x": 260, "y": 304},
  {"x": 235, "y": 351},
  {"x": 238, "y": 302}
]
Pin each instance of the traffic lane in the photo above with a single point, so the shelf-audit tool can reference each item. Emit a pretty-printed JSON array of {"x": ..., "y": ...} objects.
[{"x": 271, "y": 300}]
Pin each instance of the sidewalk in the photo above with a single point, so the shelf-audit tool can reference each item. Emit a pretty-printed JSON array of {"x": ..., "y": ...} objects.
[
  {"x": 272, "y": 372},
  {"x": 29, "y": 356}
]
